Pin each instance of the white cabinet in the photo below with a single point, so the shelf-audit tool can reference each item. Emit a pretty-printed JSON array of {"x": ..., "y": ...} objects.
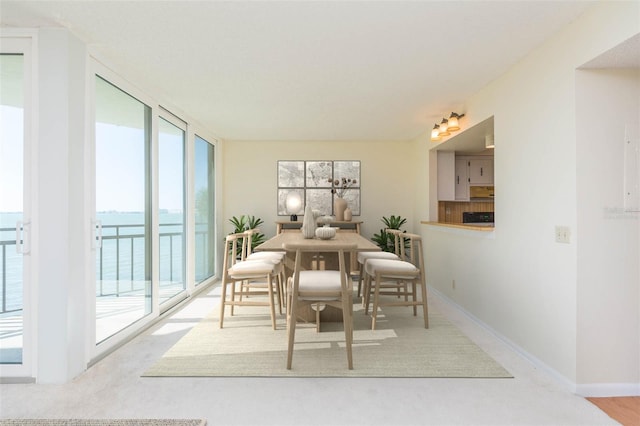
[
  {"x": 481, "y": 171},
  {"x": 446, "y": 175},
  {"x": 457, "y": 173},
  {"x": 462, "y": 179}
]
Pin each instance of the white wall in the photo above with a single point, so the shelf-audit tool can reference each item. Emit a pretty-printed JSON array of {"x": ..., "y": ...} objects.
[
  {"x": 61, "y": 234},
  {"x": 608, "y": 102},
  {"x": 250, "y": 178},
  {"x": 519, "y": 281}
]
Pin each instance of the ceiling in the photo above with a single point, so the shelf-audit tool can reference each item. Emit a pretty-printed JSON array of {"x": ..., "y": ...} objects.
[
  {"x": 307, "y": 70},
  {"x": 624, "y": 55}
]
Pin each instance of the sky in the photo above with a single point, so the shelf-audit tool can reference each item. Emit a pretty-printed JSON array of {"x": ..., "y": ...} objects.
[
  {"x": 120, "y": 170},
  {"x": 11, "y": 159}
]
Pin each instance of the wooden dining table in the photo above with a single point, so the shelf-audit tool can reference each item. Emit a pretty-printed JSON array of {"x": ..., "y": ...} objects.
[{"x": 320, "y": 260}]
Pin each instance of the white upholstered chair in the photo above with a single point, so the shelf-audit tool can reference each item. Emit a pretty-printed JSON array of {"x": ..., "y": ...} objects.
[
  {"x": 380, "y": 274},
  {"x": 366, "y": 255},
  {"x": 277, "y": 257},
  {"x": 308, "y": 287},
  {"x": 241, "y": 271}
]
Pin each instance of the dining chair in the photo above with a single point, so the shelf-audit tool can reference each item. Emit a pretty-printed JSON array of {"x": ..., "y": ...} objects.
[
  {"x": 385, "y": 273},
  {"x": 363, "y": 256},
  {"x": 328, "y": 287},
  {"x": 236, "y": 269},
  {"x": 277, "y": 257}
]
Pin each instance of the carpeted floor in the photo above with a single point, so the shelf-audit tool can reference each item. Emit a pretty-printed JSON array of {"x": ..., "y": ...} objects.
[
  {"x": 103, "y": 422},
  {"x": 400, "y": 347},
  {"x": 113, "y": 388}
]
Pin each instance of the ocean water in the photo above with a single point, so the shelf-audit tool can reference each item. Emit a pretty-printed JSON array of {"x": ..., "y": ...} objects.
[{"x": 120, "y": 263}]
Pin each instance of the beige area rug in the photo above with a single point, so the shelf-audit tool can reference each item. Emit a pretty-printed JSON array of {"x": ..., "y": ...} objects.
[
  {"x": 103, "y": 422},
  {"x": 247, "y": 346}
]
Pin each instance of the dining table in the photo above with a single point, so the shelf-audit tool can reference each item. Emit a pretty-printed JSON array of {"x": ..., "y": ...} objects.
[{"x": 320, "y": 260}]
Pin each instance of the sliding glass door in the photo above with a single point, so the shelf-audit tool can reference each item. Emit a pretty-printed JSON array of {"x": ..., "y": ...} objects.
[
  {"x": 13, "y": 245},
  {"x": 204, "y": 190},
  {"x": 171, "y": 205},
  {"x": 143, "y": 234},
  {"x": 123, "y": 210}
]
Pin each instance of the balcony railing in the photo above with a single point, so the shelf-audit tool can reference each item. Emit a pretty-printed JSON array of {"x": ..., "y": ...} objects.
[
  {"x": 120, "y": 261},
  {"x": 8, "y": 249}
]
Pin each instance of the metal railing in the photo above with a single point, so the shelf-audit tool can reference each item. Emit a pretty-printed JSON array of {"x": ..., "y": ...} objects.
[
  {"x": 118, "y": 242},
  {"x": 6, "y": 244}
]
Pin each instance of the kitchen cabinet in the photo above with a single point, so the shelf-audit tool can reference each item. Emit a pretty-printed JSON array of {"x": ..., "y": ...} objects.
[
  {"x": 457, "y": 173},
  {"x": 480, "y": 171},
  {"x": 446, "y": 175},
  {"x": 462, "y": 180}
]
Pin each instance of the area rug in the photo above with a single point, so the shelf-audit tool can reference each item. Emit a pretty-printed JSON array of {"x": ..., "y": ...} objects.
[
  {"x": 400, "y": 346},
  {"x": 103, "y": 422}
]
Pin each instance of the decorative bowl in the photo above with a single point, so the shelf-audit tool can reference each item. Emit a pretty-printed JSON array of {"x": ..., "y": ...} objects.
[
  {"x": 325, "y": 232},
  {"x": 326, "y": 219}
]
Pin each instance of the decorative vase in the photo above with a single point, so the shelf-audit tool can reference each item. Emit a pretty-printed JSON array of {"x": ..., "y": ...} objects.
[
  {"x": 325, "y": 232},
  {"x": 340, "y": 205},
  {"x": 309, "y": 223},
  {"x": 348, "y": 214}
]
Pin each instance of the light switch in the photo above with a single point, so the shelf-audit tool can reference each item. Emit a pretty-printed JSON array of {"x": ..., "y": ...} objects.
[{"x": 563, "y": 234}]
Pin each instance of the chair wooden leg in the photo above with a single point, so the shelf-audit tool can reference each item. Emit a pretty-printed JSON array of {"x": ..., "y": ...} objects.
[
  {"x": 366, "y": 293},
  {"x": 291, "y": 330},
  {"x": 272, "y": 301},
  {"x": 288, "y": 297},
  {"x": 360, "y": 278},
  {"x": 347, "y": 319},
  {"x": 415, "y": 298},
  {"x": 425, "y": 309},
  {"x": 281, "y": 296},
  {"x": 233, "y": 296},
  {"x": 222, "y": 301},
  {"x": 244, "y": 286},
  {"x": 376, "y": 301}
]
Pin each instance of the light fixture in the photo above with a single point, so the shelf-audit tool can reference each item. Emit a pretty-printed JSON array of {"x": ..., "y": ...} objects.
[
  {"x": 444, "y": 128},
  {"x": 434, "y": 133},
  {"x": 293, "y": 203},
  {"x": 454, "y": 125},
  {"x": 488, "y": 141}
]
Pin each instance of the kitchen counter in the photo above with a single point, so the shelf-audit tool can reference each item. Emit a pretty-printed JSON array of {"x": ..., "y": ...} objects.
[{"x": 470, "y": 227}]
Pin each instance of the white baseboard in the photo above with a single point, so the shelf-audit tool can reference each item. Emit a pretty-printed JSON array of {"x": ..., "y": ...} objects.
[
  {"x": 608, "y": 389},
  {"x": 593, "y": 389}
]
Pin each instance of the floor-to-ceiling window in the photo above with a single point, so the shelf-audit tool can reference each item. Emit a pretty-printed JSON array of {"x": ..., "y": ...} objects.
[
  {"x": 12, "y": 227},
  {"x": 204, "y": 190},
  {"x": 123, "y": 209},
  {"x": 171, "y": 208}
]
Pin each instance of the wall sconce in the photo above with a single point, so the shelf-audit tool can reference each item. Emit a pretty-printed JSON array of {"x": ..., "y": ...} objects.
[
  {"x": 434, "y": 133},
  {"x": 454, "y": 126},
  {"x": 446, "y": 126},
  {"x": 293, "y": 203}
]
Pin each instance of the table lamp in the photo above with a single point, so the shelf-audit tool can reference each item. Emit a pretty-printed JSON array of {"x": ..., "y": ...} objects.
[{"x": 293, "y": 204}]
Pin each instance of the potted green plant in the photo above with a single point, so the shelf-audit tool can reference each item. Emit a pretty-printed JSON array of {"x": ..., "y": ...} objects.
[
  {"x": 384, "y": 240},
  {"x": 244, "y": 223}
]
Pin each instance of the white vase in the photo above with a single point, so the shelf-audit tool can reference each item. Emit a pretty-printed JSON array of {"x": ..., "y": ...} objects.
[
  {"x": 308, "y": 223},
  {"x": 340, "y": 205},
  {"x": 348, "y": 214}
]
